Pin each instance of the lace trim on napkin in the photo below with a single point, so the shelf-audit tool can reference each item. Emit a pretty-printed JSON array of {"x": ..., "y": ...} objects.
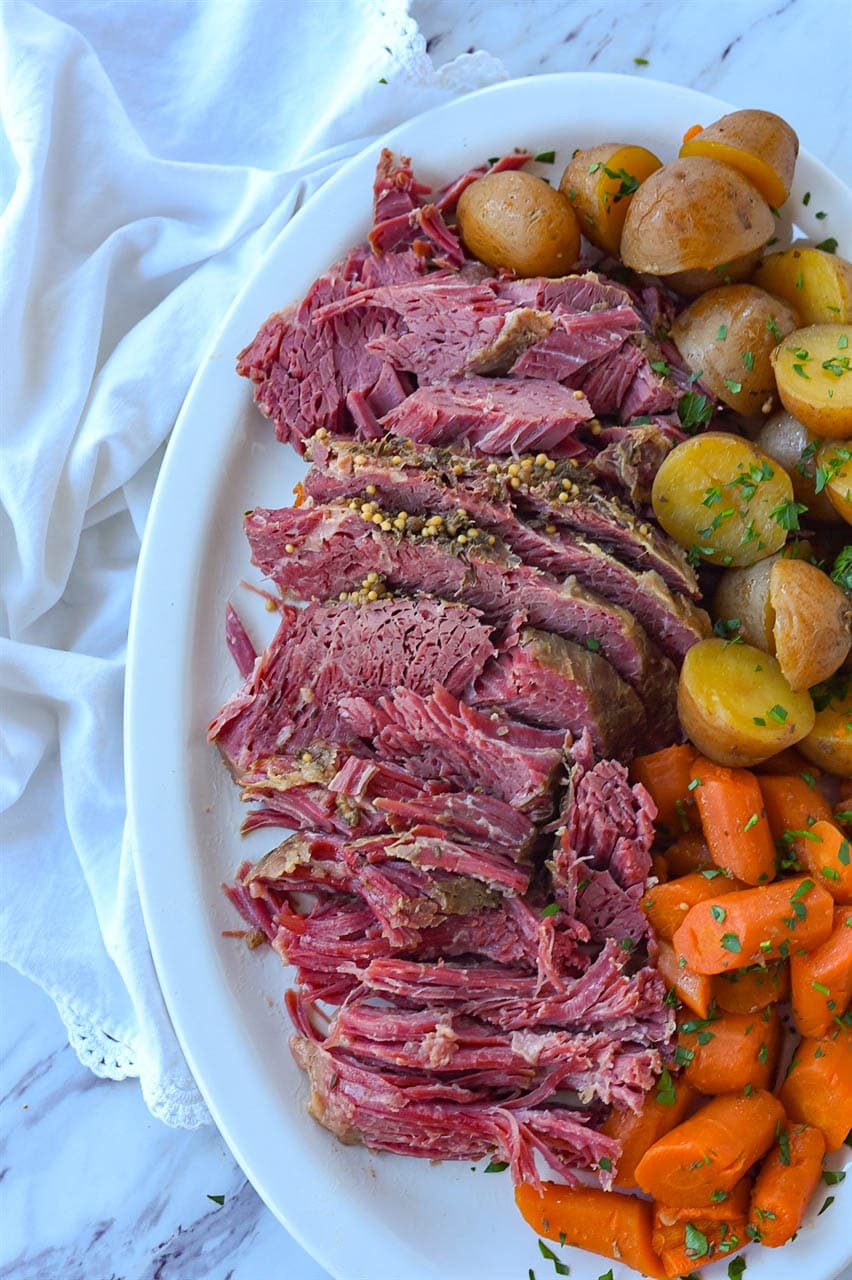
[{"x": 407, "y": 45}]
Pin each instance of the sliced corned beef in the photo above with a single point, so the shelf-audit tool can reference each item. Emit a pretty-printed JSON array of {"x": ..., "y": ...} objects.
[
  {"x": 493, "y": 416},
  {"x": 577, "y": 340},
  {"x": 632, "y": 456},
  {"x": 448, "y": 198},
  {"x": 585, "y": 292}
]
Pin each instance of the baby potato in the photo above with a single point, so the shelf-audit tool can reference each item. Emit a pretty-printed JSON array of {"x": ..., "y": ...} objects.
[
  {"x": 829, "y": 743},
  {"x": 600, "y": 183},
  {"x": 515, "y": 220},
  {"x": 759, "y": 144},
  {"x": 742, "y": 601},
  {"x": 736, "y": 706},
  {"x": 691, "y": 284},
  {"x": 794, "y": 448},
  {"x": 728, "y": 336},
  {"x": 693, "y": 213},
  {"x": 814, "y": 377},
  {"x": 817, "y": 284},
  {"x": 724, "y": 500},
  {"x": 812, "y": 627},
  {"x": 834, "y": 472}
]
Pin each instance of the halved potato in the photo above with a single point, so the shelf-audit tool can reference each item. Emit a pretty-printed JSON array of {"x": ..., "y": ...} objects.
[
  {"x": 518, "y": 221},
  {"x": 812, "y": 626},
  {"x": 814, "y": 376},
  {"x": 829, "y": 743},
  {"x": 724, "y": 500},
  {"x": 728, "y": 336},
  {"x": 600, "y": 183},
  {"x": 834, "y": 473},
  {"x": 736, "y": 706},
  {"x": 693, "y": 213},
  {"x": 817, "y": 284},
  {"x": 790, "y": 443},
  {"x": 741, "y": 604},
  {"x": 759, "y": 144},
  {"x": 691, "y": 284}
]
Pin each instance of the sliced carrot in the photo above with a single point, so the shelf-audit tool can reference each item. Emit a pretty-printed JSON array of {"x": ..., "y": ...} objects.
[
  {"x": 828, "y": 857},
  {"x": 733, "y": 818},
  {"x": 695, "y": 990},
  {"x": 750, "y": 990},
  {"x": 603, "y": 1222},
  {"x": 787, "y": 1180},
  {"x": 696, "y": 1236},
  {"x": 689, "y": 853},
  {"x": 822, "y": 979},
  {"x": 665, "y": 775},
  {"x": 691, "y": 133},
  {"x": 792, "y": 808},
  {"x": 667, "y": 905},
  {"x": 818, "y": 1087},
  {"x": 638, "y": 1130},
  {"x": 736, "y": 1051},
  {"x": 712, "y": 1150},
  {"x": 741, "y": 929}
]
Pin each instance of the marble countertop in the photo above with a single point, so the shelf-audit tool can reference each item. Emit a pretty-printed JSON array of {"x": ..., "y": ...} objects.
[{"x": 94, "y": 1188}]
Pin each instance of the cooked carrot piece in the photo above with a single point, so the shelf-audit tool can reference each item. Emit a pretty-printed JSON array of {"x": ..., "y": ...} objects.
[
  {"x": 792, "y": 808},
  {"x": 689, "y": 853},
  {"x": 695, "y": 990},
  {"x": 710, "y": 1151},
  {"x": 691, "y": 132},
  {"x": 604, "y": 1222},
  {"x": 735, "y": 1051},
  {"x": 659, "y": 867},
  {"x": 665, "y": 775},
  {"x": 638, "y": 1130},
  {"x": 689, "y": 1237},
  {"x": 788, "y": 1178},
  {"x": 750, "y": 990},
  {"x": 818, "y": 1088},
  {"x": 828, "y": 857},
  {"x": 733, "y": 818},
  {"x": 667, "y": 905},
  {"x": 746, "y": 928},
  {"x": 822, "y": 979}
]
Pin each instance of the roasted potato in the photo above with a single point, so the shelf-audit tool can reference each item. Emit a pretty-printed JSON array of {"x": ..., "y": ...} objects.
[
  {"x": 693, "y": 214},
  {"x": 812, "y": 625},
  {"x": 724, "y": 500},
  {"x": 814, "y": 377},
  {"x": 736, "y": 706},
  {"x": 817, "y": 284},
  {"x": 728, "y": 336},
  {"x": 759, "y": 144},
  {"x": 517, "y": 221},
  {"x": 829, "y": 743},
  {"x": 600, "y": 184},
  {"x": 794, "y": 448},
  {"x": 834, "y": 474}
]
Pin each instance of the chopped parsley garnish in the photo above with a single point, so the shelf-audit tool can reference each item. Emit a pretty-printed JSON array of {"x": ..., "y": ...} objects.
[
  {"x": 806, "y": 198},
  {"x": 731, "y": 942},
  {"x": 640, "y": 62},
  {"x": 217, "y": 1199},
  {"x": 722, "y": 333},
  {"x": 496, "y": 1166},
  {"x": 829, "y": 1200},
  {"x": 593, "y": 644},
  {"x": 694, "y": 410},
  {"x": 842, "y": 571},
  {"x": 665, "y": 1089},
  {"x": 828, "y": 246},
  {"x": 831, "y": 1177},
  {"x": 748, "y": 360},
  {"x": 773, "y": 328},
  {"x": 718, "y": 913},
  {"x": 697, "y": 1245},
  {"x": 735, "y": 1268},
  {"x": 752, "y": 822},
  {"x": 560, "y": 1268},
  {"x": 718, "y": 1196},
  {"x": 778, "y": 713},
  {"x": 784, "y": 1146},
  {"x": 734, "y": 387},
  {"x": 550, "y": 910},
  {"x": 786, "y": 514},
  {"x": 546, "y": 157}
]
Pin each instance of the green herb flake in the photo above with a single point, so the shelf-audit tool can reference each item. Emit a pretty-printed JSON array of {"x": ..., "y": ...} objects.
[
  {"x": 829, "y": 1200},
  {"x": 748, "y": 360},
  {"x": 593, "y": 644},
  {"x": 759, "y": 720},
  {"x": 734, "y": 387},
  {"x": 784, "y": 1146},
  {"x": 772, "y": 326},
  {"x": 821, "y": 988},
  {"x": 778, "y": 713},
  {"x": 735, "y": 1268},
  {"x": 718, "y": 1196},
  {"x": 560, "y": 1268},
  {"x": 828, "y": 246},
  {"x": 752, "y": 822},
  {"x": 822, "y": 214},
  {"x": 800, "y": 281},
  {"x": 496, "y": 1166},
  {"x": 731, "y": 942},
  {"x": 806, "y": 198},
  {"x": 831, "y": 1177},
  {"x": 697, "y": 1245},
  {"x": 605, "y": 1163},
  {"x": 722, "y": 333},
  {"x": 217, "y": 1199},
  {"x": 843, "y": 853},
  {"x": 694, "y": 410},
  {"x": 718, "y": 913},
  {"x": 550, "y": 910},
  {"x": 640, "y": 62},
  {"x": 665, "y": 1089}
]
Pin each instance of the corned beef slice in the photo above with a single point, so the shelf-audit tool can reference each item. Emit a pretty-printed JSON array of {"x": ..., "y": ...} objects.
[
  {"x": 632, "y": 456},
  {"x": 334, "y": 548},
  {"x": 448, "y": 198},
  {"x": 577, "y": 340}
]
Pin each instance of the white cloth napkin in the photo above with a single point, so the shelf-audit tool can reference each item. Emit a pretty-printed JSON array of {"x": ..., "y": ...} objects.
[{"x": 150, "y": 152}]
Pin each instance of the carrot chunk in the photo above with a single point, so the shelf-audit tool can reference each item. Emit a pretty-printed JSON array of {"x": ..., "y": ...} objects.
[
  {"x": 792, "y": 808},
  {"x": 828, "y": 857},
  {"x": 695, "y": 990},
  {"x": 689, "y": 853},
  {"x": 604, "y": 1222},
  {"x": 741, "y": 929},
  {"x": 711, "y": 1151},
  {"x": 787, "y": 1180},
  {"x": 696, "y": 1236},
  {"x": 822, "y": 979},
  {"x": 665, "y": 775},
  {"x": 667, "y": 905},
  {"x": 818, "y": 1088},
  {"x": 733, "y": 818},
  {"x": 691, "y": 133},
  {"x": 638, "y": 1130},
  {"x": 734, "y": 1052},
  {"x": 750, "y": 990}
]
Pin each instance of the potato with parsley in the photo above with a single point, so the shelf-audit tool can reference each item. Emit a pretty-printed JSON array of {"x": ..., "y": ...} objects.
[
  {"x": 759, "y": 144},
  {"x": 728, "y": 336},
  {"x": 600, "y": 183},
  {"x": 741, "y": 603},
  {"x": 829, "y": 743},
  {"x": 814, "y": 376},
  {"x": 736, "y": 706},
  {"x": 812, "y": 622},
  {"x": 796, "y": 449},
  {"x": 724, "y": 500},
  {"x": 834, "y": 475},
  {"x": 816, "y": 283},
  {"x": 517, "y": 221}
]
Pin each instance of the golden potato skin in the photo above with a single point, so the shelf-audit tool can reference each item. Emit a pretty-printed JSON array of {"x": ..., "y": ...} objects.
[
  {"x": 691, "y": 284},
  {"x": 813, "y": 622},
  {"x": 794, "y": 448},
  {"x": 736, "y": 706},
  {"x": 834, "y": 464},
  {"x": 517, "y": 221},
  {"x": 728, "y": 335},
  {"x": 818, "y": 285},
  {"x": 829, "y": 743},
  {"x": 600, "y": 200},
  {"x": 743, "y": 594},
  {"x": 759, "y": 144},
  {"x": 693, "y": 213},
  {"x": 716, "y": 493},
  {"x": 813, "y": 370}
]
